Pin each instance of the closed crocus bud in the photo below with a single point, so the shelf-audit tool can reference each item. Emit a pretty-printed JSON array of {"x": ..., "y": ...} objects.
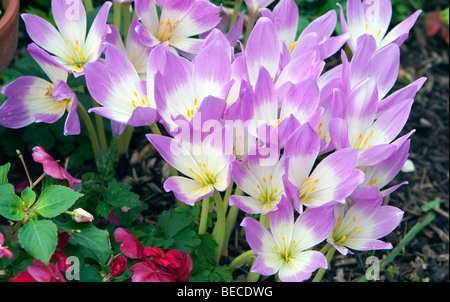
[
  {"x": 80, "y": 215},
  {"x": 118, "y": 266}
]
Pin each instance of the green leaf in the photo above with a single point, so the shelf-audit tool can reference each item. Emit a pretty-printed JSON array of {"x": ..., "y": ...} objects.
[
  {"x": 28, "y": 196},
  {"x": 119, "y": 194},
  {"x": 54, "y": 200},
  {"x": 172, "y": 222},
  {"x": 6, "y": 189},
  {"x": 4, "y": 173},
  {"x": 39, "y": 239},
  {"x": 11, "y": 206},
  {"x": 89, "y": 236},
  {"x": 105, "y": 161}
]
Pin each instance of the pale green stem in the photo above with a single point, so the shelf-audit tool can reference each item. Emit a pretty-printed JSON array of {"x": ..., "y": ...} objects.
[
  {"x": 88, "y": 6},
  {"x": 203, "y": 216},
  {"x": 231, "y": 218},
  {"x": 90, "y": 128},
  {"x": 251, "y": 23},
  {"x": 241, "y": 258},
  {"x": 155, "y": 130},
  {"x": 219, "y": 228},
  {"x": 330, "y": 252},
  {"x": 117, "y": 15},
  {"x": 126, "y": 18},
  {"x": 264, "y": 220},
  {"x": 228, "y": 193},
  {"x": 100, "y": 128},
  {"x": 236, "y": 11},
  {"x": 125, "y": 140},
  {"x": 252, "y": 277}
]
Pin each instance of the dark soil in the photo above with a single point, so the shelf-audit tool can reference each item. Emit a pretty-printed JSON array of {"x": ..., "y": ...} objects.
[{"x": 426, "y": 257}]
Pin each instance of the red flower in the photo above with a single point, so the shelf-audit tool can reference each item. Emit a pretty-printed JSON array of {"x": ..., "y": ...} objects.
[
  {"x": 51, "y": 167},
  {"x": 171, "y": 258},
  {"x": 23, "y": 276},
  {"x": 130, "y": 245},
  {"x": 118, "y": 266},
  {"x": 59, "y": 254},
  {"x": 41, "y": 273},
  {"x": 183, "y": 273},
  {"x": 149, "y": 272}
]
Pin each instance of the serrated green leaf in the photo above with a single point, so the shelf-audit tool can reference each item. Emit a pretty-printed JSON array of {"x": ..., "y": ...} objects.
[
  {"x": 119, "y": 194},
  {"x": 89, "y": 236},
  {"x": 172, "y": 222},
  {"x": 11, "y": 206},
  {"x": 4, "y": 169},
  {"x": 54, "y": 200},
  {"x": 105, "y": 161},
  {"x": 39, "y": 239},
  {"x": 28, "y": 196}
]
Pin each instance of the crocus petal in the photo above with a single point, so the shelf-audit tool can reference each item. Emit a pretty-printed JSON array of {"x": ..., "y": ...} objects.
[
  {"x": 187, "y": 190},
  {"x": 70, "y": 18},
  {"x": 97, "y": 32},
  {"x": 258, "y": 237},
  {"x": 52, "y": 68},
  {"x": 400, "y": 32},
  {"x": 302, "y": 265},
  {"x": 44, "y": 35},
  {"x": 262, "y": 49}
]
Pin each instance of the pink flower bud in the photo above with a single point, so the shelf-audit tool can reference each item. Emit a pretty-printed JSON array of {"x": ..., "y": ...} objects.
[
  {"x": 118, "y": 266},
  {"x": 80, "y": 215}
]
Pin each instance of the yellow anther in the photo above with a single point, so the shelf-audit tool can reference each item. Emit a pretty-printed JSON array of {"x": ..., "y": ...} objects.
[
  {"x": 354, "y": 218},
  {"x": 343, "y": 238}
]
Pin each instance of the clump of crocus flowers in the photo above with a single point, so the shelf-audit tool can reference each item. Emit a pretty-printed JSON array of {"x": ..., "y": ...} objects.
[{"x": 260, "y": 125}]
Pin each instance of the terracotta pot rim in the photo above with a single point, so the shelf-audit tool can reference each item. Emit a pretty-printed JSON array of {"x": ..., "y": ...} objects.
[{"x": 10, "y": 13}]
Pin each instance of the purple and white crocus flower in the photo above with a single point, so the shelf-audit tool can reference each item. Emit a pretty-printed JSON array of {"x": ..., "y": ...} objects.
[
  {"x": 116, "y": 85},
  {"x": 69, "y": 44},
  {"x": 317, "y": 36},
  {"x": 33, "y": 100},
  {"x": 205, "y": 162},
  {"x": 331, "y": 181},
  {"x": 133, "y": 48},
  {"x": 373, "y": 18},
  {"x": 286, "y": 247},
  {"x": 178, "y": 23},
  {"x": 262, "y": 183},
  {"x": 186, "y": 88},
  {"x": 360, "y": 226}
]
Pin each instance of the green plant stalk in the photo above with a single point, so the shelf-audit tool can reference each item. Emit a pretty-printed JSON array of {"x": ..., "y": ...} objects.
[
  {"x": 236, "y": 11},
  {"x": 124, "y": 140},
  {"x": 330, "y": 250},
  {"x": 231, "y": 219},
  {"x": 100, "y": 128},
  {"x": 251, "y": 23},
  {"x": 155, "y": 130},
  {"x": 264, "y": 220},
  {"x": 90, "y": 128},
  {"x": 228, "y": 193},
  {"x": 203, "y": 216},
  {"x": 408, "y": 238},
  {"x": 252, "y": 277},
  {"x": 117, "y": 16},
  {"x": 126, "y": 18},
  {"x": 241, "y": 258},
  {"x": 88, "y": 5},
  {"x": 219, "y": 228}
]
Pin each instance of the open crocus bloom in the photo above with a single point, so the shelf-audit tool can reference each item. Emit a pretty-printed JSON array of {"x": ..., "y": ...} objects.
[
  {"x": 116, "y": 85},
  {"x": 331, "y": 181},
  {"x": 285, "y": 248},
  {"x": 33, "y": 100},
  {"x": 360, "y": 226},
  {"x": 69, "y": 45},
  {"x": 373, "y": 18},
  {"x": 184, "y": 88},
  {"x": 52, "y": 167},
  {"x": 178, "y": 22},
  {"x": 263, "y": 183},
  {"x": 206, "y": 163},
  {"x": 136, "y": 52}
]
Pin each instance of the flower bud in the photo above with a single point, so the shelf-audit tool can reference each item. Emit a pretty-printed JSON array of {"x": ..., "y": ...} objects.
[
  {"x": 118, "y": 266},
  {"x": 80, "y": 215}
]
